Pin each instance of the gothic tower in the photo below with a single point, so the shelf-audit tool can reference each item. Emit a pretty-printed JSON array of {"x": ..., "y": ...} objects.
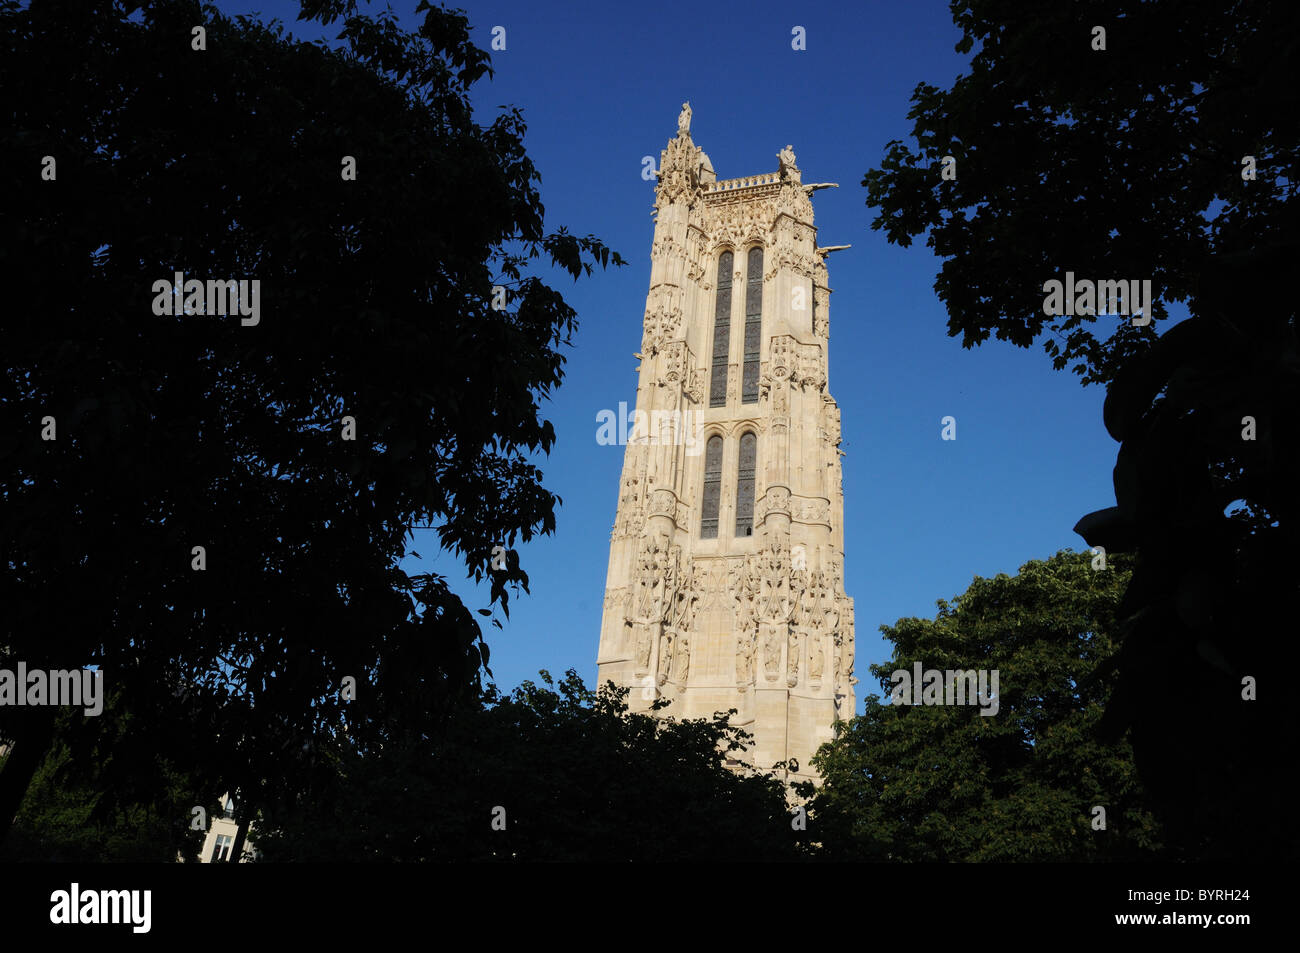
[{"x": 726, "y": 565}]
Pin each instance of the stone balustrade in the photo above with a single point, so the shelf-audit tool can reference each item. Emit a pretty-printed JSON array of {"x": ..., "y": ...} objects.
[{"x": 745, "y": 182}]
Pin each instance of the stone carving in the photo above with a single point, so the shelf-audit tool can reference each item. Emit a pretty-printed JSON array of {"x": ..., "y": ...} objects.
[
  {"x": 631, "y": 493},
  {"x": 676, "y": 361},
  {"x": 793, "y": 201},
  {"x": 821, "y": 312},
  {"x": 688, "y": 599},
  {"x": 656, "y": 581},
  {"x": 683, "y": 514},
  {"x": 665, "y": 654},
  {"x": 771, "y": 650},
  {"x": 684, "y": 120},
  {"x": 643, "y": 637},
  {"x": 661, "y": 326},
  {"x": 811, "y": 369},
  {"x": 804, "y": 509},
  {"x": 816, "y": 661},
  {"x": 782, "y": 356},
  {"x": 775, "y": 500},
  {"x": 744, "y": 582},
  {"x": 679, "y": 167},
  {"x": 739, "y": 222},
  {"x": 777, "y": 601},
  {"x": 785, "y": 257},
  {"x": 744, "y": 659},
  {"x": 631, "y": 513},
  {"x": 788, "y": 169},
  {"x": 793, "y": 657},
  {"x": 663, "y": 503},
  {"x": 695, "y": 385},
  {"x": 687, "y": 591},
  {"x": 844, "y": 639},
  {"x": 817, "y": 616},
  {"x": 665, "y": 249},
  {"x": 683, "y": 658},
  {"x": 831, "y": 416},
  {"x": 781, "y": 398}
]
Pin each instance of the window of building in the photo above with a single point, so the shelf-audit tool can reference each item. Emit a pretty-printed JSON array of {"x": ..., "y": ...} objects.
[
  {"x": 221, "y": 852},
  {"x": 753, "y": 326},
  {"x": 745, "y": 485},
  {"x": 721, "y": 332},
  {"x": 712, "y": 488}
]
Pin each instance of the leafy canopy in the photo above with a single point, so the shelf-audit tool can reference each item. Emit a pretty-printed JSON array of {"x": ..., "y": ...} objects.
[
  {"x": 194, "y": 430},
  {"x": 946, "y": 783},
  {"x": 1121, "y": 163},
  {"x": 570, "y": 773}
]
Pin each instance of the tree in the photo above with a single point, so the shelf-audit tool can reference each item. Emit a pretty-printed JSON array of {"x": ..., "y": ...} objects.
[
  {"x": 547, "y": 773},
  {"x": 1170, "y": 155},
  {"x": 64, "y": 818},
  {"x": 373, "y": 382},
  {"x": 948, "y": 783}
]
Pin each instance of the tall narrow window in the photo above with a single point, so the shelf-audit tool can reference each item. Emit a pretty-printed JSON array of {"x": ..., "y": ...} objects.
[
  {"x": 745, "y": 486},
  {"x": 221, "y": 850},
  {"x": 721, "y": 332},
  {"x": 712, "y": 488},
  {"x": 753, "y": 326}
]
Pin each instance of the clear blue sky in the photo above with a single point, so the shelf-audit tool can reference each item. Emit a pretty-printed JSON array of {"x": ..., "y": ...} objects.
[{"x": 600, "y": 85}]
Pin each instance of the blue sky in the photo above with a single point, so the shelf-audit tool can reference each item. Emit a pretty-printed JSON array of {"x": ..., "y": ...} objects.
[{"x": 600, "y": 85}]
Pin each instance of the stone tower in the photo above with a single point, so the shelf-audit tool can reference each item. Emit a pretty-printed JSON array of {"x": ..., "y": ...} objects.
[{"x": 726, "y": 565}]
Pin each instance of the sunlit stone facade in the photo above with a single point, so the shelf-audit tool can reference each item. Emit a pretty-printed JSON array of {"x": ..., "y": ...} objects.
[{"x": 725, "y": 586}]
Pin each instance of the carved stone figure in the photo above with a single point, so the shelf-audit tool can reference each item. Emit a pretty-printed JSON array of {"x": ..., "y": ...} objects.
[
  {"x": 643, "y": 638},
  {"x": 695, "y": 388},
  {"x": 665, "y": 655},
  {"x": 816, "y": 659},
  {"x": 772, "y": 649},
  {"x": 744, "y": 583},
  {"x": 655, "y": 576},
  {"x": 684, "y": 120},
  {"x": 744, "y": 658},
  {"x": 788, "y": 171}
]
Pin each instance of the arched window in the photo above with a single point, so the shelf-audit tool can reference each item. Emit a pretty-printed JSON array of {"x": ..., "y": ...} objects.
[
  {"x": 753, "y": 326},
  {"x": 745, "y": 485},
  {"x": 712, "y": 488},
  {"x": 721, "y": 332}
]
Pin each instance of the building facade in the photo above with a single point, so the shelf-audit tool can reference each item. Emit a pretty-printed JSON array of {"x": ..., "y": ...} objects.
[
  {"x": 725, "y": 583},
  {"x": 220, "y": 839}
]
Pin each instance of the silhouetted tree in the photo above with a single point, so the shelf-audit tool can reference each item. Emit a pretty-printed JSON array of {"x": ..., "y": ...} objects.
[
  {"x": 548, "y": 773},
  {"x": 377, "y": 311},
  {"x": 1135, "y": 162}
]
